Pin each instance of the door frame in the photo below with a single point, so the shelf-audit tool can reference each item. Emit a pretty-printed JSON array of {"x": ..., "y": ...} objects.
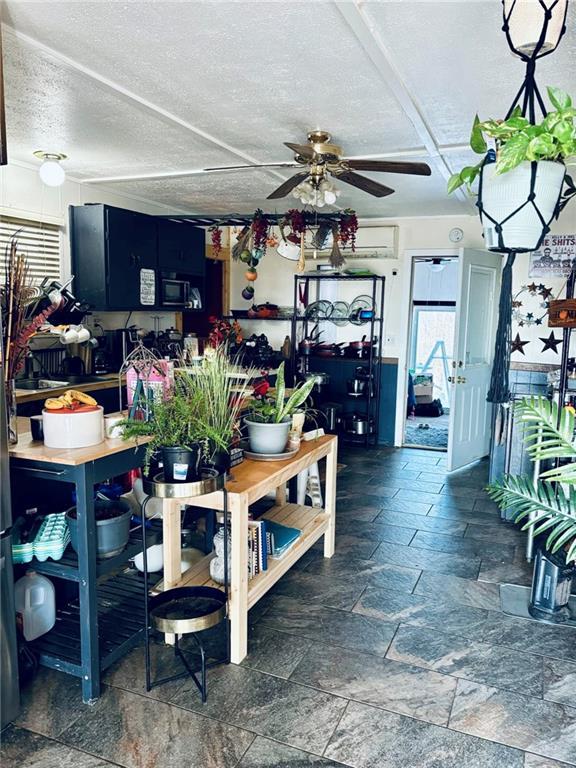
[{"x": 410, "y": 256}]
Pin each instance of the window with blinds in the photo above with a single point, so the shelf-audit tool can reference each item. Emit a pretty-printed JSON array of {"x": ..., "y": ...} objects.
[{"x": 39, "y": 242}]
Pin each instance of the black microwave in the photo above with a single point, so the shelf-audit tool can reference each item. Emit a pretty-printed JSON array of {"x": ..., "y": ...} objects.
[{"x": 179, "y": 293}]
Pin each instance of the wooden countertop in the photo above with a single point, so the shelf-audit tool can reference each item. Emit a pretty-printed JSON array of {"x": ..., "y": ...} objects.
[
  {"x": 32, "y": 450},
  {"x": 106, "y": 381}
]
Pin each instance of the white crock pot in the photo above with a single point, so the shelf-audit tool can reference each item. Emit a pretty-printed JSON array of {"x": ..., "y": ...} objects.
[{"x": 504, "y": 193}]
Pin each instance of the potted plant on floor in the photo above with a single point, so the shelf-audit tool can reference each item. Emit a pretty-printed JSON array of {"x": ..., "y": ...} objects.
[
  {"x": 521, "y": 178},
  {"x": 270, "y": 417},
  {"x": 547, "y": 505}
]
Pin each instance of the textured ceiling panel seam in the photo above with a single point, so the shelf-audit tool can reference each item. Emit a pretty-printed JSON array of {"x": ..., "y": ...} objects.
[
  {"x": 126, "y": 94},
  {"x": 365, "y": 29}
]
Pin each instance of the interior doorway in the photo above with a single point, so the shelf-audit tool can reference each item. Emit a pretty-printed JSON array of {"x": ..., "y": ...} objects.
[{"x": 433, "y": 299}]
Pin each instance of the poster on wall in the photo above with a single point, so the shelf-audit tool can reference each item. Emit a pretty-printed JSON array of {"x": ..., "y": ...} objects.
[{"x": 555, "y": 256}]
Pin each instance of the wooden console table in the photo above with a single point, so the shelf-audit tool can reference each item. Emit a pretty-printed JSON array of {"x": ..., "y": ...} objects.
[{"x": 249, "y": 482}]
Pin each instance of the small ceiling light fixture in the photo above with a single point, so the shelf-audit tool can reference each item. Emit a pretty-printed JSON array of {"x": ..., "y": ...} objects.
[
  {"x": 316, "y": 192},
  {"x": 436, "y": 265},
  {"x": 534, "y": 27},
  {"x": 51, "y": 172}
]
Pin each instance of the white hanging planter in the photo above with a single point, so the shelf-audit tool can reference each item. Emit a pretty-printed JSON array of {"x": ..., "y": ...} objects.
[{"x": 503, "y": 194}]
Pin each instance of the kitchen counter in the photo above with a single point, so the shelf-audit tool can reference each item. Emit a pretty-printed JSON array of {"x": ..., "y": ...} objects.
[
  {"x": 34, "y": 450},
  {"x": 106, "y": 381}
]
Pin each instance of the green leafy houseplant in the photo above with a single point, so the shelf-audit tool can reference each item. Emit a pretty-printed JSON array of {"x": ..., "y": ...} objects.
[
  {"x": 551, "y": 501},
  {"x": 517, "y": 140},
  {"x": 177, "y": 422},
  {"x": 274, "y": 410}
]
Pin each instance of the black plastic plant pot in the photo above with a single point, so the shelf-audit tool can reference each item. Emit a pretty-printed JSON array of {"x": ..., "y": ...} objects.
[
  {"x": 112, "y": 526},
  {"x": 551, "y": 587},
  {"x": 181, "y": 465}
]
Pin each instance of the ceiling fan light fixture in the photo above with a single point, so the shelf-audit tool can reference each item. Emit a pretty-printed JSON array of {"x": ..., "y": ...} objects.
[
  {"x": 51, "y": 172},
  {"x": 436, "y": 265}
]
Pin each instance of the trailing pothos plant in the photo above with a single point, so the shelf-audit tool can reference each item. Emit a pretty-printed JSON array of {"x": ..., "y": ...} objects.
[
  {"x": 275, "y": 409},
  {"x": 547, "y": 505},
  {"x": 517, "y": 139}
]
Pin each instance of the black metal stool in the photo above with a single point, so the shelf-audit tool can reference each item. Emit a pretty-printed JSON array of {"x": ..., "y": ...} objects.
[{"x": 186, "y": 610}]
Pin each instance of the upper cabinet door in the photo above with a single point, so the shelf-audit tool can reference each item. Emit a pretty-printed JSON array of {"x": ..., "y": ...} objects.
[
  {"x": 132, "y": 259},
  {"x": 181, "y": 247}
]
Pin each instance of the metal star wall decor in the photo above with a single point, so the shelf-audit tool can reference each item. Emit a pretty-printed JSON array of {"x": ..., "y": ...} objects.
[
  {"x": 550, "y": 343},
  {"x": 531, "y": 291},
  {"x": 518, "y": 345}
]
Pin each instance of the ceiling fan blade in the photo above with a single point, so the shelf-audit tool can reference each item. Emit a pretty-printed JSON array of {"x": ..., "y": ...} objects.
[
  {"x": 365, "y": 184},
  {"x": 390, "y": 166},
  {"x": 306, "y": 150},
  {"x": 289, "y": 185},
  {"x": 262, "y": 165}
]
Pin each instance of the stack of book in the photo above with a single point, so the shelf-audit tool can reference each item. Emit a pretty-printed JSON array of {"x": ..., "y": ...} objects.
[{"x": 267, "y": 539}]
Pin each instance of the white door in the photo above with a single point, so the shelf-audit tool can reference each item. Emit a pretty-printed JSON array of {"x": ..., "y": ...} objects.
[{"x": 476, "y": 321}]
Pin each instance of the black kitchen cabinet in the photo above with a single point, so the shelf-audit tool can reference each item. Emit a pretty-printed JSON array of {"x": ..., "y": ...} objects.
[
  {"x": 181, "y": 248},
  {"x": 114, "y": 257}
]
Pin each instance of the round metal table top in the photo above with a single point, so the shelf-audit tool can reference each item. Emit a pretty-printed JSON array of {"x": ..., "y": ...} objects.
[{"x": 210, "y": 481}]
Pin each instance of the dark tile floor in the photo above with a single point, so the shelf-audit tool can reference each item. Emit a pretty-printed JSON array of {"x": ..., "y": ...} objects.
[{"x": 393, "y": 654}]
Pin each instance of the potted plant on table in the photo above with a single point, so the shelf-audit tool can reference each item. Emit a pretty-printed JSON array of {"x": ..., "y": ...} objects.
[
  {"x": 195, "y": 424},
  {"x": 521, "y": 178},
  {"x": 270, "y": 416},
  {"x": 548, "y": 505}
]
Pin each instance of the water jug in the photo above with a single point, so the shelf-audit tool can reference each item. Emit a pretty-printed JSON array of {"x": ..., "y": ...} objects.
[{"x": 35, "y": 605}]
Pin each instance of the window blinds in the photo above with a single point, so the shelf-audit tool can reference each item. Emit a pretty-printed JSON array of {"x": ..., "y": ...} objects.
[{"x": 37, "y": 241}]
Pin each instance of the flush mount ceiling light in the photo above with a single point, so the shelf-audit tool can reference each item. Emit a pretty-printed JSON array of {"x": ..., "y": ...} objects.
[
  {"x": 51, "y": 172},
  {"x": 436, "y": 265},
  {"x": 534, "y": 27}
]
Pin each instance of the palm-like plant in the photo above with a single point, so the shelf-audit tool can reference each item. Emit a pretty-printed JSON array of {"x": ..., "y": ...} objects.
[{"x": 550, "y": 502}]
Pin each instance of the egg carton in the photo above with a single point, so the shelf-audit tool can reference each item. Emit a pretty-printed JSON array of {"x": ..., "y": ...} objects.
[{"x": 50, "y": 541}]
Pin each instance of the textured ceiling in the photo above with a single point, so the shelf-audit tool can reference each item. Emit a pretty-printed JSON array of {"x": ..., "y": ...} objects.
[{"x": 144, "y": 88}]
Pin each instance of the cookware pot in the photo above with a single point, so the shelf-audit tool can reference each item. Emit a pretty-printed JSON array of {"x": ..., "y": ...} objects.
[
  {"x": 329, "y": 350},
  {"x": 362, "y": 348},
  {"x": 332, "y": 413},
  {"x": 356, "y": 387},
  {"x": 359, "y": 424},
  {"x": 321, "y": 380}
]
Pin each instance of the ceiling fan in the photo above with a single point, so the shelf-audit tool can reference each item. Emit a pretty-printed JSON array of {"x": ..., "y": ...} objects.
[{"x": 320, "y": 159}]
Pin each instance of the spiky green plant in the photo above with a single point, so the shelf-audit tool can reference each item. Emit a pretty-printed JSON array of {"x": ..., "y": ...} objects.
[
  {"x": 549, "y": 504},
  {"x": 273, "y": 410}
]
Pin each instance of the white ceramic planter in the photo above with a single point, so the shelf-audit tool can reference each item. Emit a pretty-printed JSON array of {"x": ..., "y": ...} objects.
[
  {"x": 268, "y": 438},
  {"x": 503, "y": 194}
]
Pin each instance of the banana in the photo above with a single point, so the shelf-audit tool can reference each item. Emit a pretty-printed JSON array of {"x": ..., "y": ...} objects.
[
  {"x": 82, "y": 397},
  {"x": 54, "y": 404}
]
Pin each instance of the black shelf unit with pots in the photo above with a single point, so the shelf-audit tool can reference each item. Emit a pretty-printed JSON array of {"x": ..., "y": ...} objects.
[
  {"x": 373, "y": 328},
  {"x": 104, "y": 618}
]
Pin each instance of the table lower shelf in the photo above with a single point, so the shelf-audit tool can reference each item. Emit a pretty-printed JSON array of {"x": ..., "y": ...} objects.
[
  {"x": 120, "y": 626},
  {"x": 313, "y": 523}
]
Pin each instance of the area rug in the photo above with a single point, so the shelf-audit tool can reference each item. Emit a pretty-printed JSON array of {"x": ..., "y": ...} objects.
[{"x": 434, "y": 437}]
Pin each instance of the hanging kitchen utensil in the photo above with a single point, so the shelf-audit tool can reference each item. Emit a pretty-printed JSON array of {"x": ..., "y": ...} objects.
[
  {"x": 337, "y": 259},
  {"x": 302, "y": 260}
]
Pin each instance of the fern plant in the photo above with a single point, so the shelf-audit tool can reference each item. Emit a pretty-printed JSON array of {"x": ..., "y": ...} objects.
[{"x": 550, "y": 502}]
